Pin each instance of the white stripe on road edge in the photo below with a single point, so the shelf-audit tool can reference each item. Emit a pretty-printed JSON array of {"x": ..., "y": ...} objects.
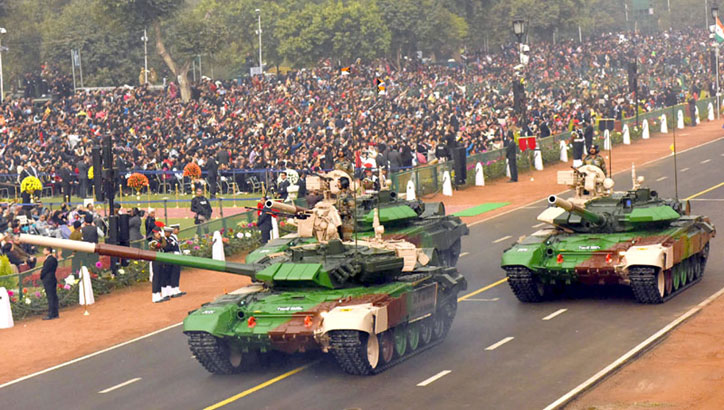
[
  {"x": 705, "y": 161},
  {"x": 500, "y": 343},
  {"x": 538, "y": 225},
  {"x": 684, "y": 169},
  {"x": 88, "y": 356},
  {"x": 481, "y": 300},
  {"x": 502, "y": 239},
  {"x": 464, "y": 254},
  {"x": 554, "y": 314},
  {"x": 661, "y": 179},
  {"x": 511, "y": 210},
  {"x": 631, "y": 353},
  {"x": 433, "y": 378},
  {"x": 118, "y": 386}
]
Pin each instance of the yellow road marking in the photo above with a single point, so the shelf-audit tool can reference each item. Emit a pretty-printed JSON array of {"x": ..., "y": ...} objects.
[
  {"x": 705, "y": 191},
  {"x": 260, "y": 386},
  {"x": 483, "y": 289}
]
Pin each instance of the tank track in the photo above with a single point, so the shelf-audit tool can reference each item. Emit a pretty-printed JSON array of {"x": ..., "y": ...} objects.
[
  {"x": 645, "y": 287},
  {"x": 212, "y": 355},
  {"x": 523, "y": 284},
  {"x": 345, "y": 345}
]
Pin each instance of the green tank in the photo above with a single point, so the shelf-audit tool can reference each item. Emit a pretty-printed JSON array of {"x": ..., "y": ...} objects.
[
  {"x": 370, "y": 304},
  {"x": 423, "y": 224},
  {"x": 601, "y": 237}
]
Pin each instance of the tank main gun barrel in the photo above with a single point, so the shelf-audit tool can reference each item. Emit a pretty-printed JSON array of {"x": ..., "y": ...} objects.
[
  {"x": 570, "y": 207},
  {"x": 126, "y": 252},
  {"x": 285, "y": 208}
]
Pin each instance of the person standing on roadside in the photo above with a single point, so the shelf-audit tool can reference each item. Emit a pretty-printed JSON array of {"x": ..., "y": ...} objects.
[
  {"x": 511, "y": 154},
  {"x": 202, "y": 208},
  {"x": 50, "y": 283}
]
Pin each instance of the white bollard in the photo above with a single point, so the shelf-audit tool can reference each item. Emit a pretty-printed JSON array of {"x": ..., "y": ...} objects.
[
  {"x": 664, "y": 124},
  {"x": 645, "y": 130},
  {"x": 446, "y": 184},
  {"x": 507, "y": 168},
  {"x": 538, "y": 159},
  {"x": 479, "y": 175},
  {"x": 680, "y": 120},
  {"x": 6, "y": 315},
  {"x": 217, "y": 249},
  {"x": 606, "y": 140},
  {"x": 85, "y": 288},
  {"x": 696, "y": 114},
  {"x": 564, "y": 151},
  {"x": 626, "y": 135},
  {"x": 411, "y": 195},
  {"x": 710, "y": 112},
  {"x": 275, "y": 228}
]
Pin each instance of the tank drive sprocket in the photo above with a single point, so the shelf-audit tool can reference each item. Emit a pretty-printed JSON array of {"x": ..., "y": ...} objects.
[
  {"x": 214, "y": 354},
  {"x": 524, "y": 285}
]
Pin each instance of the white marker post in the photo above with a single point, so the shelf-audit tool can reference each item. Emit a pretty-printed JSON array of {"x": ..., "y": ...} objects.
[
  {"x": 664, "y": 124},
  {"x": 626, "y": 135},
  {"x": 410, "y": 195},
  {"x": 645, "y": 130},
  {"x": 606, "y": 140},
  {"x": 538, "y": 159},
  {"x": 6, "y": 315},
  {"x": 446, "y": 184},
  {"x": 680, "y": 120},
  {"x": 479, "y": 175},
  {"x": 710, "y": 112}
]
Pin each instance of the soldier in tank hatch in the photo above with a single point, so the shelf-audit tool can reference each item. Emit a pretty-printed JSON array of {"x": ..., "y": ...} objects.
[{"x": 593, "y": 158}]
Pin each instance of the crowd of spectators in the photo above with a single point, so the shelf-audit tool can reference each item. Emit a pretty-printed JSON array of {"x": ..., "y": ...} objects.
[{"x": 310, "y": 118}]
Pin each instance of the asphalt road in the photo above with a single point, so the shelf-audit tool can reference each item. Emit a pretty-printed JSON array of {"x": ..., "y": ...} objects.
[{"x": 499, "y": 354}]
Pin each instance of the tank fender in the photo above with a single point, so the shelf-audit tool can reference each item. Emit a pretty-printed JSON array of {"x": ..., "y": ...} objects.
[
  {"x": 650, "y": 255},
  {"x": 364, "y": 318},
  {"x": 523, "y": 255},
  {"x": 212, "y": 319}
]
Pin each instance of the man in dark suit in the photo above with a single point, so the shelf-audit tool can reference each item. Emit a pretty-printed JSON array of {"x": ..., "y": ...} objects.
[
  {"x": 212, "y": 169},
  {"x": 283, "y": 186},
  {"x": 264, "y": 223},
  {"x": 511, "y": 152},
  {"x": 50, "y": 283},
  {"x": 66, "y": 181},
  {"x": 89, "y": 231}
]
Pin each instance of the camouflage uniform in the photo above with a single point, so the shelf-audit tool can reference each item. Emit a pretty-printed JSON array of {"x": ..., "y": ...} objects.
[
  {"x": 595, "y": 160},
  {"x": 346, "y": 207}
]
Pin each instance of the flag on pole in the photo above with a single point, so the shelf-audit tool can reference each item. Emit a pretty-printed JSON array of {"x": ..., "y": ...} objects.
[{"x": 719, "y": 31}]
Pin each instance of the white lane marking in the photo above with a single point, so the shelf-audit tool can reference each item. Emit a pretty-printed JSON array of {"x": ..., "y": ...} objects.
[
  {"x": 632, "y": 353},
  {"x": 502, "y": 239},
  {"x": 683, "y": 135},
  {"x": 500, "y": 343},
  {"x": 511, "y": 210},
  {"x": 704, "y": 161},
  {"x": 464, "y": 254},
  {"x": 705, "y": 199},
  {"x": 661, "y": 179},
  {"x": 433, "y": 378},
  {"x": 118, "y": 386},
  {"x": 481, "y": 300},
  {"x": 684, "y": 169},
  {"x": 88, "y": 356},
  {"x": 554, "y": 314},
  {"x": 536, "y": 226}
]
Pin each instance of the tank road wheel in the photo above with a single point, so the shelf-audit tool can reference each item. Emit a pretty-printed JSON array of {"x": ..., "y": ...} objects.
[
  {"x": 676, "y": 277},
  {"x": 703, "y": 256},
  {"x": 214, "y": 354},
  {"x": 387, "y": 346},
  {"x": 669, "y": 281},
  {"x": 413, "y": 336},
  {"x": 696, "y": 266},
  {"x": 400, "y": 340},
  {"x": 443, "y": 318},
  {"x": 683, "y": 275},
  {"x": 690, "y": 264},
  {"x": 526, "y": 287},
  {"x": 649, "y": 284},
  {"x": 356, "y": 352},
  {"x": 425, "y": 331}
]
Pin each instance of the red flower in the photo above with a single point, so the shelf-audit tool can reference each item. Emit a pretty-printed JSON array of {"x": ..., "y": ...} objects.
[
  {"x": 25, "y": 290},
  {"x": 231, "y": 231}
]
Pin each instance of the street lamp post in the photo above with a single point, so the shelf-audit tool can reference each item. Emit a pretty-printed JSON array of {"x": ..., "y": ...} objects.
[
  {"x": 145, "y": 57},
  {"x": 258, "y": 31},
  {"x": 715, "y": 15},
  {"x": 2, "y": 80},
  {"x": 519, "y": 29}
]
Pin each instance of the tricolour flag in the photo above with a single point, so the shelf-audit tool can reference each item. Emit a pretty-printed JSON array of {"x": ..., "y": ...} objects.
[{"x": 719, "y": 31}]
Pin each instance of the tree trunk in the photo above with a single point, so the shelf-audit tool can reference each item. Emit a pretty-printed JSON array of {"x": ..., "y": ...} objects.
[{"x": 182, "y": 74}]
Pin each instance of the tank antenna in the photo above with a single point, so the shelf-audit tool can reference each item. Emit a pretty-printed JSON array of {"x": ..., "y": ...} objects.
[{"x": 676, "y": 169}]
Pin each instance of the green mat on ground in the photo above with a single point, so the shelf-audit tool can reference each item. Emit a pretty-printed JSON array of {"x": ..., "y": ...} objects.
[{"x": 481, "y": 209}]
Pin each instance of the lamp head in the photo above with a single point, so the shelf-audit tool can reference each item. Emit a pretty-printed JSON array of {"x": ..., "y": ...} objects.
[{"x": 715, "y": 11}]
